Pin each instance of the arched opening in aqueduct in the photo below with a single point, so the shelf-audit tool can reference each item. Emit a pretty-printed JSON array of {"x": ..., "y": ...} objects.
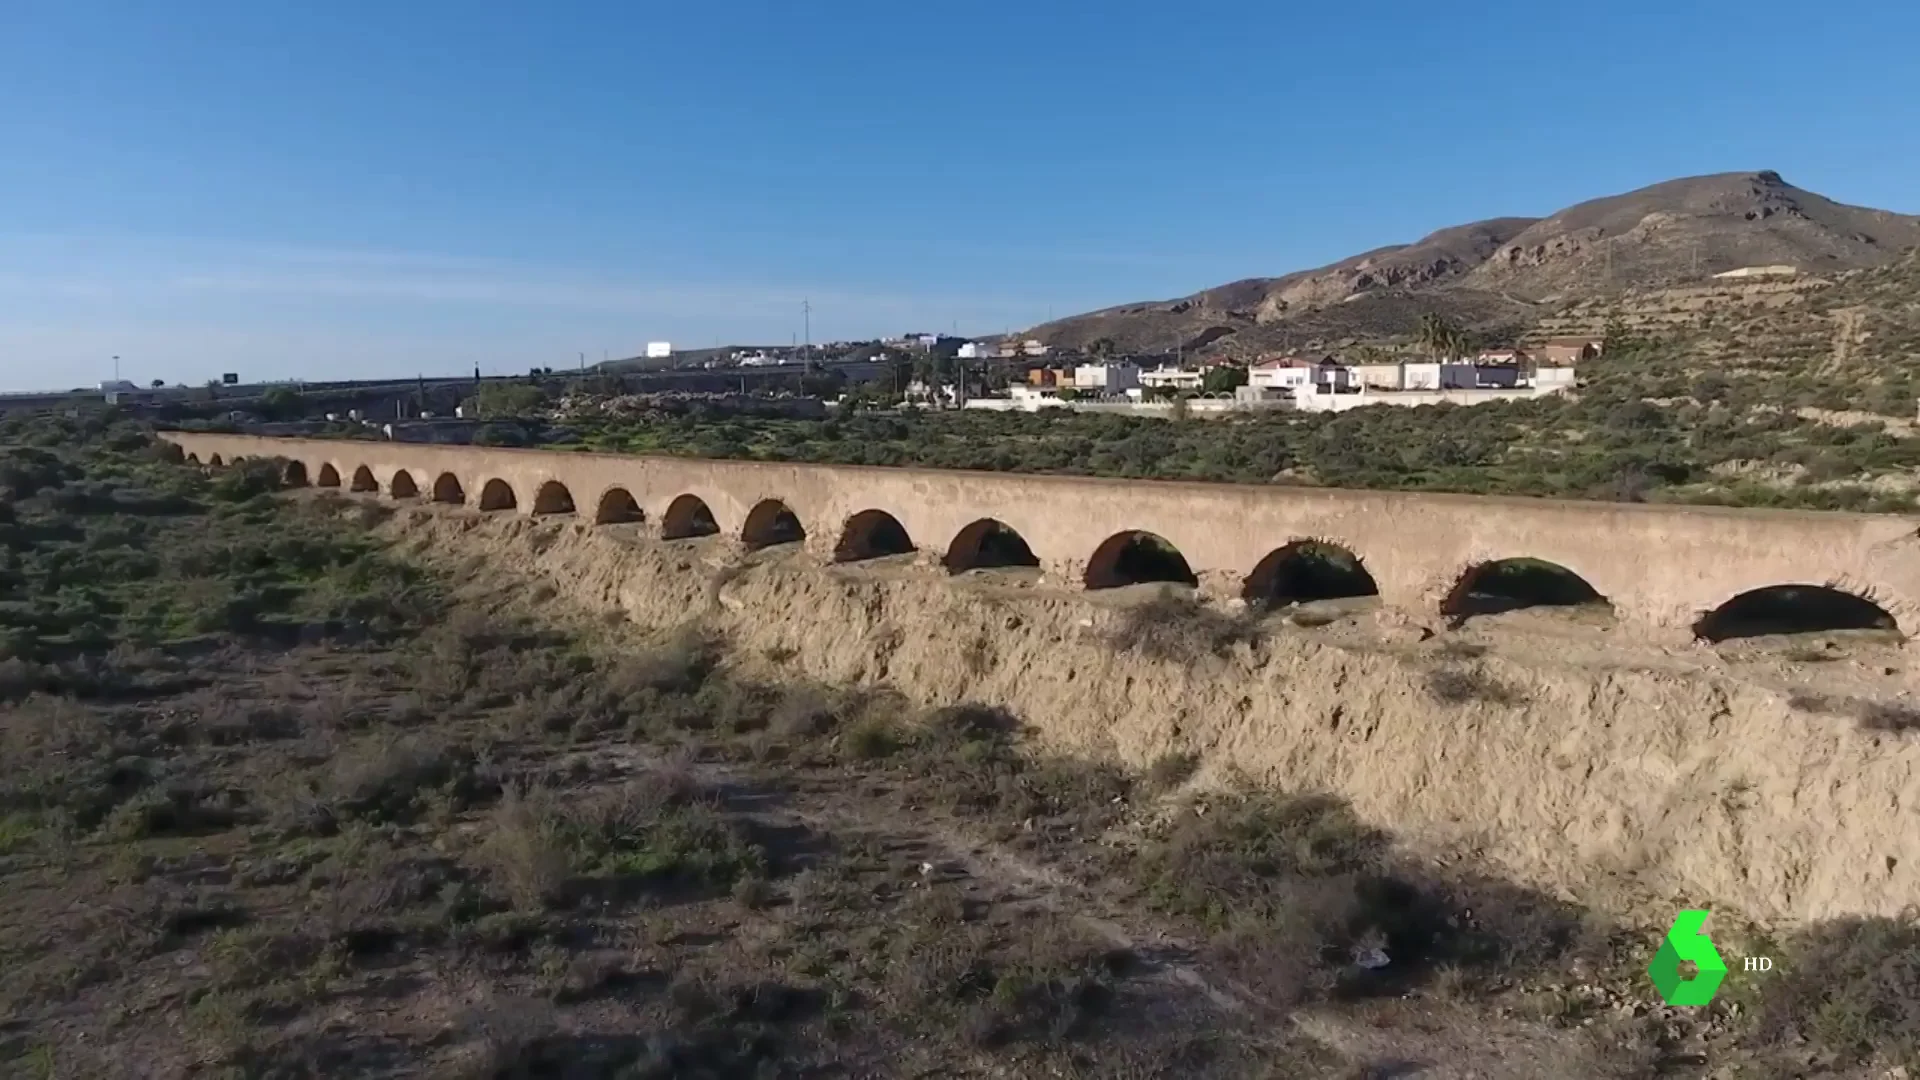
[
  {"x": 497, "y": 494},
  {"x": 1792, "y": 609},
  {"x": 363, "y": 480},
  {"x": 1304, "y": 571},
  {"x": 687, "y": 517},
  {"x": 402, "y": 485},
  {"x": 617, "y": 507},
  {"x": 329, "y": 477},
  {"x": 553, "y": 498},
  {"x": 295, "y": 474},
  {"x": 987, "y": 544},
  {"x": 1135, "y": 558},
  {"x": 771, "y": 523},
  {"x": 447, "y": 489},
  {"x": 872, "y": 534},
  {"x": 1490, "y": 588}
]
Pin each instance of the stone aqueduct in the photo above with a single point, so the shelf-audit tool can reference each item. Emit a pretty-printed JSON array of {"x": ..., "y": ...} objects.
[{"x": 1669, "y": 567}]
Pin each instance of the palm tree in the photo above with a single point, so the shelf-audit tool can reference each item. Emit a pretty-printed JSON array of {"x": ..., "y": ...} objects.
[{"x": 1441, "y": 337}]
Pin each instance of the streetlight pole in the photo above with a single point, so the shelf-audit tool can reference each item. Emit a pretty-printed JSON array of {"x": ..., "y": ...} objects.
[{"x": 116, "y": 369}]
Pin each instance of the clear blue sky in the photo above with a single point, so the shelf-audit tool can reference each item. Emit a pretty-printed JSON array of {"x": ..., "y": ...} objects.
[{"x": 362, "y": 187}]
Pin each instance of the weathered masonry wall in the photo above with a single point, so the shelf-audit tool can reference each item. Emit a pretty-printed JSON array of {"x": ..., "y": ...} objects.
[{"x": 1659, "y": 565}]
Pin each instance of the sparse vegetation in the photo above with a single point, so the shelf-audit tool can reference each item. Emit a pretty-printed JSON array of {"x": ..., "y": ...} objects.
[
  {"x": 1460, "y": 685},
  {"x": 1635, "y": 432},
  {"x": 1180, "y": 629},
  {"x": 379, "y": 823}
]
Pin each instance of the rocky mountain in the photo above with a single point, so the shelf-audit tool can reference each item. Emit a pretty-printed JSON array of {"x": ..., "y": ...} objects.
[{"x": 1500, "y": 277}]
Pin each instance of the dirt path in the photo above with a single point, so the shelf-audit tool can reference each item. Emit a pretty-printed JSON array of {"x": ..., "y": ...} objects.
[{"x": 1429, "y": 1039}]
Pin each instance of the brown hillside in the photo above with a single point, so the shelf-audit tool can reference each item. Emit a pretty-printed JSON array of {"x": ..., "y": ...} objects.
[{"x": 1502, "y": 276}]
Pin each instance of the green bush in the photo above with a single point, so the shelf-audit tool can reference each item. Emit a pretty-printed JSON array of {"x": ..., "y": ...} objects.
[{"x": 109, "y": 541}]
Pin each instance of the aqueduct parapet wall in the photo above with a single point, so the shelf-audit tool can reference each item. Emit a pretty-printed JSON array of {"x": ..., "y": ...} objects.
[{"x": 1659, "y": 565}]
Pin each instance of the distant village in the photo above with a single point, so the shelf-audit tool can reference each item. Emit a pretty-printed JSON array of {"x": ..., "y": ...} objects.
[
  {"x": 1314, "y": 383},
  {"x": 925, "y": 371}
]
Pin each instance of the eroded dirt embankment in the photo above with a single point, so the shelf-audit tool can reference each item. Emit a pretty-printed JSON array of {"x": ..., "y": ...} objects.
[{"x": 1608, "y": 772}]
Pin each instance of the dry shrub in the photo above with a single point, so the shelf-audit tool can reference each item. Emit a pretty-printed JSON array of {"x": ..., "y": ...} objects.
[
  {"x": 1293, "y": 885},
  {"x": 1895, "y": 717},
  {"x": 546, "y": 849},
  {"x": 1039, "y": 980},
  {"x": 1180, "y": 629},
  {"x": 871, "y": 737},
  {"x": 1460, "y": 685},
  {"x": 806, "y": 712},
  {"x": 1170, "y": 770},
  {"x": 528, "y": 851},
  {"x": 679, "y": 663},
  {"x": 231, "y": 722},
  {"x": 394, "y": 780},
  {"x": 1852, "y": 986}
]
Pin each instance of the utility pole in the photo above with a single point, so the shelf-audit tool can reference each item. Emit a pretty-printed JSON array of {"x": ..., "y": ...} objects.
[
  {"x": 116, "y": 369},
  {"x": 806, "y": 312}
]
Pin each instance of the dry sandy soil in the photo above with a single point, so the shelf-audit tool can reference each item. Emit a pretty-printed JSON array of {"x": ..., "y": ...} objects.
[
  {"x": 1549, "y": 741},
  {"x": 673, "y": 809}
]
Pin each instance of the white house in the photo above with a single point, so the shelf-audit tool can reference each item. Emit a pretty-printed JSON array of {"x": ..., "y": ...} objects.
[
  {"x": 1286, "y": 373},
  {"x": 1031, "y": 398},
  {"x": 1438, "y": 376},
  {"x": 1106, "y": 378},
  {"x": 1172, "y": 378},
  {"x": 977, "y": 350},
  {"x": 1559, "y": 377},
  {"x": 1378, "y": 376}
]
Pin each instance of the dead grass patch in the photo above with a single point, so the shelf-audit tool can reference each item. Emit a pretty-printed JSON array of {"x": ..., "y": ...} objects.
[{"x": 1181, "y": 629}]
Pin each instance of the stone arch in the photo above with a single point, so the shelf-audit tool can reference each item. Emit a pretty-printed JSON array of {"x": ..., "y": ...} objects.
[
  {"x": 617, "y": 507},
  {"x": 402, "y": 485},
  {"x": 688, "y": 516},
  {"x": 553, "y": 498},
  {"x": 329, "y": 476},
  {"x": 1792, "y": 609},
  {"x": 1134, "y": 557},
  {"x": 1499, "y": 585},
  {"x": 447, "y": 489},
  {"x": 770, "y": 523},
  {"x": 1306, "y": 570},
  {"x": 872, "y": 534},
  {"x": 214, "y": 461},
  {"x": 987, "y": 543},
  {"x": 295, "y": 474},
  {"x": 193, "y": 459},
  {"x": 363, "y": 480},
  {"x": 497, "y": 494}
]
